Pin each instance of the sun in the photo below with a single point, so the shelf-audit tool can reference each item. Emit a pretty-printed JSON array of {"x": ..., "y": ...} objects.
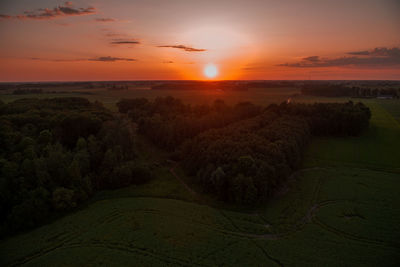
[{"x": 210, "y": 71}]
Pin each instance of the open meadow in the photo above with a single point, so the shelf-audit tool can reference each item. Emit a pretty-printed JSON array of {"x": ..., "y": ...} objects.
[{"x": 341, "y": 208}]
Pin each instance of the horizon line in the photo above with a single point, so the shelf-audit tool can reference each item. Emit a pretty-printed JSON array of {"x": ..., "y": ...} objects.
[{"x": 190, "y": 80}]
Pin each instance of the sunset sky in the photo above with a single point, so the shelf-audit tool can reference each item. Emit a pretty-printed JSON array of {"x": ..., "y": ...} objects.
[{"x": 47, "y": 40}]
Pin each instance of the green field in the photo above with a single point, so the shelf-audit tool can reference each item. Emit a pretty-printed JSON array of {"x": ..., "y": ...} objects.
[
  {"x": 341, "y": 209},
  {"x": 110, "y": 98}
]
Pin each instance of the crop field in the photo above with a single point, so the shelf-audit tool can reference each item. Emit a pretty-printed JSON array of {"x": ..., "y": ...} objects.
[
  {"x": 375, "y": 149},
  {"x": 393, "y": 107},
  {"x": 110, "y": 98},
  {"x": 340, "y": 209}
]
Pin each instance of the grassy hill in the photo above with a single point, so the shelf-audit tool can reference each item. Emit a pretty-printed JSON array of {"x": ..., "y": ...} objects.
[{"x": 341, "y": 209}]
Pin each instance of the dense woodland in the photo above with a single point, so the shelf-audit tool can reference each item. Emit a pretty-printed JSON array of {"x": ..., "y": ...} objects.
[
  {"x": 55, "y": 153},
  {"x": 248, "y": 161},
  {"x": 168, "y": 122},
  {"x": 244, "y": 153}
]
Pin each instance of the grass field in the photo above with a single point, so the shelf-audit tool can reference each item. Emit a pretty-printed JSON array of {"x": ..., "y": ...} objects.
[
  {"x": 341, "y": 209},
  {"x": 109, "y": 98},
  {"x": 393, "y": 107}
]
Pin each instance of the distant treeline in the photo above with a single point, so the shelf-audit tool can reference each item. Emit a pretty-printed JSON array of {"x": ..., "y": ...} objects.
[
  {"x": 116, "y": 87},
  {"x": 244, "y": 153},
  {"x": 270, "y": 84},
  {"x": 168, "y": 122},
  {"x": 40, "y": 91},
  {"x": 75, "y": 85},
  {"x": 55, "y": 153},
  {"x": 338, "y": 90},
  {"x": 27, "y": 91},
  {"x": 200, "y": 85},
  {"x": 223, "y": 85},
  {"x": 47, "y": 85}
]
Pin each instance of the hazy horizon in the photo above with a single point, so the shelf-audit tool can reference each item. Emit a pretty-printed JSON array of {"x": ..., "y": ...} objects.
[{"x": 199, "y": 80}]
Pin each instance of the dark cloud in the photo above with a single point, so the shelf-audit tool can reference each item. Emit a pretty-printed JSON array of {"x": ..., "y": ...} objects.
[
  {"x": 183, "y": 47},
  {"x": 105, "y": 19},
  {"x": 56, "y": 59},
  {"x": 312, "y": 58},
  {"x": 359, "y": 53},
  {"x": 378, "y": 57},
  {"x": 125, "y": 41},
  {"x": 45, "y": 13},
  {"x": 379, "y": 52},
  {"x": 112, "y": 59},
  {"x": 168, "y": 62},
  {"x": 102, "y": 59}
]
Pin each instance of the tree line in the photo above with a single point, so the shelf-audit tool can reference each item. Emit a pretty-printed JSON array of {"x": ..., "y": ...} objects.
[
  {"x": 55, "y": 153},
  {"x": 340, "y": 90},
  {"x": 249, "y": 160},
  {"x": 167, "y": 121}
]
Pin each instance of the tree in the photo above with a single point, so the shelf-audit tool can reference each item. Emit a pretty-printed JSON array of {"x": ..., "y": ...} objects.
[
  {"x": 81, "y": 144},
  {"x": 218, "y": 178},
  {"x": 244, "y": 191},
  {"x": 63, "y": 199},
  {"x": 45, "y": 137}
]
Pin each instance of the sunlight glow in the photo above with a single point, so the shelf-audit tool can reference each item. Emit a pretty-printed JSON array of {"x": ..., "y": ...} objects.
[{"x": 210, "y": 71}]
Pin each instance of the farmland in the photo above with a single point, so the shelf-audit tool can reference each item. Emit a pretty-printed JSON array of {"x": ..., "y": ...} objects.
[
  {"x": 110, "y": 98},
  {"x": 340, "y": 208}
]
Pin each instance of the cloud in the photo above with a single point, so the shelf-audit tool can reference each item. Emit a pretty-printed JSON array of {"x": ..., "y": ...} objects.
[
  {"x": 125, "y": 41},
  {"x": 112, "y": 59},
  {"x": 105, "y": 20},
  {"x": 377, "y": 57},
  {"x": 359, "y": 53},
  {"x": 46, "y": 14},
  {"x": 56, "y": 59},
  {"x": 379, "y": 52},
  {"x": 118, "y": 38},
  {"x": 102, "y": 59},
  {"x": 312, "y": 58},
  {"x": 183, "y": 47}
]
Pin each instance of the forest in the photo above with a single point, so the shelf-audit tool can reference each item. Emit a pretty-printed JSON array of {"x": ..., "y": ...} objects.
[
  {"x": 57, "y": 153},
  {"x": 168, "y": 122},
  {"x": 243, "y": 153},
  {"x": 248, "y": 161}
]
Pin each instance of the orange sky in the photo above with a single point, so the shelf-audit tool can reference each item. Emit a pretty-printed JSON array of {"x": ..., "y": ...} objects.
[{"x": 175, "y": 39}]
